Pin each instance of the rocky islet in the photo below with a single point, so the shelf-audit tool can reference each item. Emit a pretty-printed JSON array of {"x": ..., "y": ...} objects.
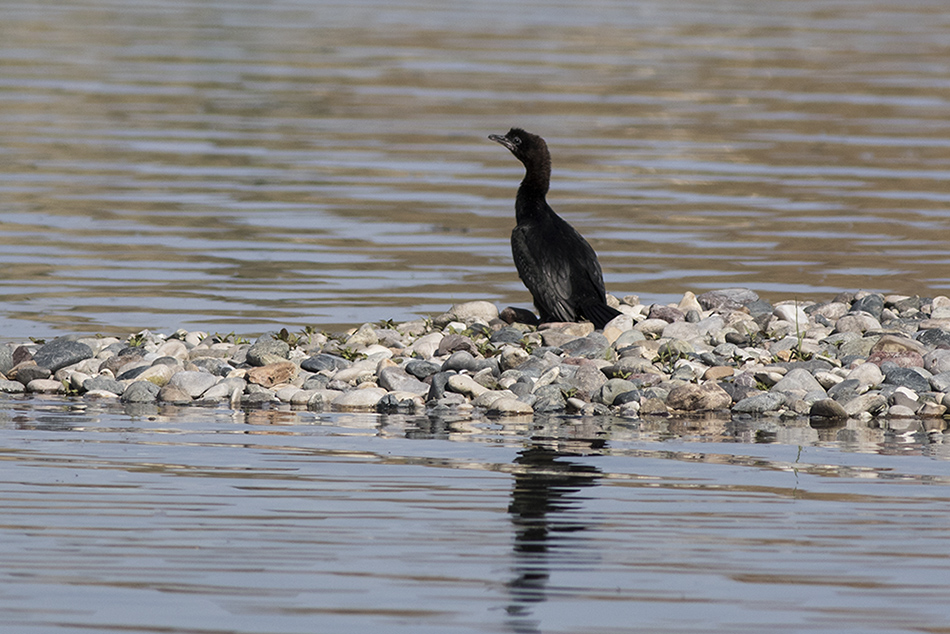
[{"x": 861, "y": 355}]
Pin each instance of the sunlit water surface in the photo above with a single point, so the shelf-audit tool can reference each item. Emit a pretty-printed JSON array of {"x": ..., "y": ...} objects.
[
  {"x": 237, "y": 165},
  {"x": 122, "y": 519}
]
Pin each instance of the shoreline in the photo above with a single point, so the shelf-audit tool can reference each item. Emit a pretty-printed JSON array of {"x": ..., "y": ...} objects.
[{"x": 860, "y": 356}]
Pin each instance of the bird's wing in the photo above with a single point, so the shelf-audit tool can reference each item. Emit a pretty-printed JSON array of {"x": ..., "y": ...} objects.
[{"x": 546, "y": 274}]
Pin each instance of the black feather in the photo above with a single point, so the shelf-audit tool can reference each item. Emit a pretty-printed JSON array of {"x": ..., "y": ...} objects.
[{"x": 556, "y": 263}]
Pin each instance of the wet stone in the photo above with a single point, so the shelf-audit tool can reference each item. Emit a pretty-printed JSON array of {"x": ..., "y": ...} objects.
[
  {"x": 828, "y": 408},
  {"x": 398, "y": 380},
  {"x": 760, "y": 403},
  {"x": 267, "y": 350},
  {"x": 11, "y": 387},
  {"x": 906, "y": 377},
  {"x": 872, "y": 304},
  {"x": 729, "y": 298},
  {"x": 934, "y": 338},
  {"x": 194, "y": 384},
  {"x": 324, "y": 362},
  {"x": 103, "y": 383},
  {"x": 60, "y": 353},
  {"x": 28, "y": 371},
  {"x": 140, "y": 392},
  {"x": 593, "y": 346},
  {"x": 422, "y": 369}
]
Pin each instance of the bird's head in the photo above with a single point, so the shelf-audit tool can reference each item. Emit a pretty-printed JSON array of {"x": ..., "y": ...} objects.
[{"x": 528, "y": 148}]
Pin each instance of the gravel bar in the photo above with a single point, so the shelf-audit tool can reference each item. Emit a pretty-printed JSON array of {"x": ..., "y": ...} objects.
[{"x": 729, "y": 353}]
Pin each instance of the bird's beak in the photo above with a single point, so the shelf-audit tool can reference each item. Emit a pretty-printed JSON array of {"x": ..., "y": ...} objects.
[{"x": 499, "y": 138}]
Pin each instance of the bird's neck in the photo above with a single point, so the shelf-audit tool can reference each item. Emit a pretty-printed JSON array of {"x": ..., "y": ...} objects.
[{"x": 531, "y": 204}]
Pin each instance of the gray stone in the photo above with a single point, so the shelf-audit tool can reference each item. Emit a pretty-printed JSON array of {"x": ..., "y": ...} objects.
[
  {"x": 846, "y": 390},
  {"x": 140, "y": 392},
  {"x": 937, "y": 361},
  {"x": 462, "y": 361},
  {"x": 872, "y": 403},
  {"x": 549, "y": 399},
  {"x": 363, "y": 399},
  {"x": 587, "y": 381},
  {"x": 421, "y": 369},
  {"x": 6, "y": 359},
  {"x": 397, "y": 379},
  {"x": 593, "y": 346},
  {"x": 867, "y": 374},
  {"x": 798, "y": 380},
  {"x": 690, "y": 397},
  {"x": 224, "y": 389},
  {"x": 364, "y": 336},
  {"x": 26, "y": 372},
  {"x": 934, "y": 338},
  {"x": 859, "y": 347},
  {"x": 612, "y": 388},
  {"x": 192, "y": 383},
  {"x": 873, "y": 304},
  {"x": 510, "y": 407},
  {"x": 940, "y": 382},
  {"x": 174, "y": 395},
  {"x": 464, "y": 384},
  {"x": 728, "y": 298},
  {"x": 60, "y": 353},
  {"x": 217, "y": 367},
  {"x": 629, "y": 338},
  {"x": 760, "y": 403},
  {"x": 828, "y": 408},
  {"x": 45, "y": 386},
  {"x": 328, "y": 362},
  {"x": 103, "y": 383},
  {"x": 857, "y": 322},
  {"x": 11, "y": 387},
  {"x": 469, "y": 312},
  {"x": 907, "y": 377},
  {"x": 267, "y": 349}
]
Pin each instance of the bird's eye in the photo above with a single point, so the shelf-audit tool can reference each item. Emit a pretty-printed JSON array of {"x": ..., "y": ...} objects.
[{"x": 516, "y": 140}]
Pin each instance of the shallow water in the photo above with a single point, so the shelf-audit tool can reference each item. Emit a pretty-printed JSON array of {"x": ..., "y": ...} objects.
[
  {"x": 230, "y": 165},
  {"x": 210, "y": 520}
]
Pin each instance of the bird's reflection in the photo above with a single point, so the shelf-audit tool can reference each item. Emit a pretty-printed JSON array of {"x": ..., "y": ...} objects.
[{"x": 542, "y": 509}]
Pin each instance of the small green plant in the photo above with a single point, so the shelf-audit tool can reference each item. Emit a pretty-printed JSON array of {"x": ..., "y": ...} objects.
[
  {"x": 288, "y": 338},
  {"x": 387, "y": 323},
  {"x": 228, "y": 338},
  {"x": 351, "y": 355},
  {"x": 38, "y": 341},
  {"x": 137, "y": 340},
  {"x": 69, "y": 389}
]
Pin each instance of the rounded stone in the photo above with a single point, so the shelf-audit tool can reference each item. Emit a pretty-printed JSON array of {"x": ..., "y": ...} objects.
[
  {"x": 612, "y": 388},
  {"x": 690, "y": 397},
  {"x": 464, "y": 384},
  {"x": 760, "y": 403},
  {"x": 321, "y": 362},
  {"x": 140, "y": 392},
  {"x": 363, "y": 399},
  {"x": 872, "y": 403},
  {"x": 798, "y": 380},
  {"x": 827, "y": 408},
  {"x": 192, "y": 383},
  {"x": 45, "y": 386},
  {"x": 908, "y": 378},
  {"x": 397, "y": 379},
  {"x": 267, "y": 349},
  {"x": 174, "y": 395},
  {"x": 510, "y": 407},
  {"x": 60, "y": 353}
]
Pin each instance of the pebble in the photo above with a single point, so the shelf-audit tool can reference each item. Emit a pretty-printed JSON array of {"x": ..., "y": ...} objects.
[{"x": 726, "y": 351}]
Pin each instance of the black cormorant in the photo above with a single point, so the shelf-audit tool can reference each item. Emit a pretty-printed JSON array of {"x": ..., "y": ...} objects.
[{"x": 554, "y": 261}]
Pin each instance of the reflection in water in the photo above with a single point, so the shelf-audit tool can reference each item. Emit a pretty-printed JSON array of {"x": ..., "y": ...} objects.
[{"x": 543, "y": 513}]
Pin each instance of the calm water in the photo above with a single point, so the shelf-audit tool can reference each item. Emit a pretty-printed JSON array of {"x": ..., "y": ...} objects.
[
  {"x": 206, "y": 521},
  {"x": 229, "y": 165},
  {"x": 237, "y": 165}
]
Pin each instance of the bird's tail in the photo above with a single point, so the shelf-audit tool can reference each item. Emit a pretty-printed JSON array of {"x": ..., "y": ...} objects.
[{"x": 600, "y": 314}]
